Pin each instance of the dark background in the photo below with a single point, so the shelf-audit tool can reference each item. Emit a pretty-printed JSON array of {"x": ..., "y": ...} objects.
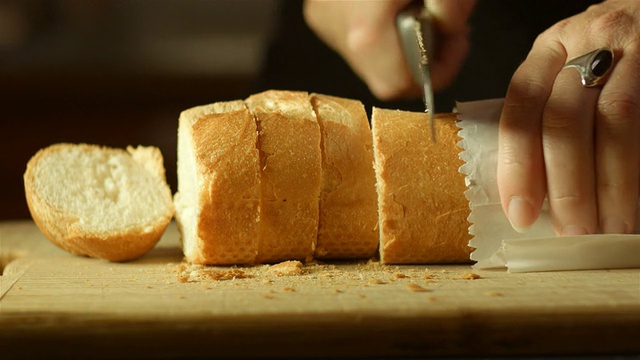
[{"x": 118, "y": 73}]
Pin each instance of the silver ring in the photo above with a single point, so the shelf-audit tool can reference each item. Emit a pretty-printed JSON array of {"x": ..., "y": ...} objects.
[{"x": 592, "y": 66}]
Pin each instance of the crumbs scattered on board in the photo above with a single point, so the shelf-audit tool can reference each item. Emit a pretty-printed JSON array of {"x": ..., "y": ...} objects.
[
  {"x": 228, "y": 274},
  {"x": 196, "y": 273},
  {"x": 351, "y": 279}
]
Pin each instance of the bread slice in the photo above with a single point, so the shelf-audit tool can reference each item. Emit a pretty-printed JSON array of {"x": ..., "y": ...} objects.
[
  {"x": 290, "y": 161},
  {"x": 97, "y": 201},
  {"x": 422, "y": 208},
  {"x": 217, "y": 203},
  {"x": 348, "y": 226}
]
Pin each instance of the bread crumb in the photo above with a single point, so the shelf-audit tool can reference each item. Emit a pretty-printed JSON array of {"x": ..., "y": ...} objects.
[
  {"x": 267, "y": 282},
  {"x": 286, "y": 268},
  {"x": 338, "y": 291},
  {"x": 268, "y": 297},
  {"x": 431, "y": 299},
  {"x": 469, "y": 276},
  {"x": 399, "y": 276},
  {"x": 148, "y": 286},
  {"x": 429, "y": 276},
  {"x": 228, "y": 274},
  {"x": 493, "y": 294},
  {"x": 377, "y": 282},
  {"x": 183, "y": 276},
  {"x": 290, "y": 289},
  {"x": 417, "y": 288}
]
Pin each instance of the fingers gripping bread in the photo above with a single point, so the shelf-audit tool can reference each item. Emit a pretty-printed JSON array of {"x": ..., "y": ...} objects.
[
  {"x": 348, "y": 200},
  {"x": 290, "y": 162},
  {"x": 98, "y": 201},
  {"x": 422, "y": 208},
  {"x": 217, "y": 203}
]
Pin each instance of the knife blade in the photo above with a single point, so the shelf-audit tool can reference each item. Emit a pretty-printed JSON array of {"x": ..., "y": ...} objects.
[{"x": 417, "y": 38}]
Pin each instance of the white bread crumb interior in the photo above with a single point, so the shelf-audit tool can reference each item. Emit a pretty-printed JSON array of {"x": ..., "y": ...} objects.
[{"x": 85, "y": 196}]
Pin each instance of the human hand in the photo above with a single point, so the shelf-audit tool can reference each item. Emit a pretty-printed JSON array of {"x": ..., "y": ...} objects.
[
  {"x": 578, "y": 146},
  {"x": 364, "y": 34}
]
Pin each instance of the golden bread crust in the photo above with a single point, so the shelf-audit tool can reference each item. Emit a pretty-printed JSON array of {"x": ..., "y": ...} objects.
[
  {"x": 227, "y": 158},
  {"x": 348, "y": 200},
  {"x": 422, "y": 207},
  {"x": 290, "y": 161}
]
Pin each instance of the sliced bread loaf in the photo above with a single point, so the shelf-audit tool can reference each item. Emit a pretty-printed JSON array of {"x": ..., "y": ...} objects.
[
  {"x": 97, "y": 201},
  {"x": 422, "y": 208}
]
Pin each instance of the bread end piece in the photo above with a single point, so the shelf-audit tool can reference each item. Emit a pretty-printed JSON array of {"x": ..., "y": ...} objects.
[
  {"x": 422, "y": 208},
  {"x": 98, "y": 201}
]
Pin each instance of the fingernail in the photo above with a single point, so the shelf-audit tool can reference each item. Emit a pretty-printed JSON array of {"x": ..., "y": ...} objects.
[
  {"x": 569, "y": 230},
  {"x": 520, "y": 214},
  {"x": 613, "y": 225}
]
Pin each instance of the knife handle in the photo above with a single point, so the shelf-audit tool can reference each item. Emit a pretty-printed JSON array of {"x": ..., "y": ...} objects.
[{"x": 406, "y": 26}]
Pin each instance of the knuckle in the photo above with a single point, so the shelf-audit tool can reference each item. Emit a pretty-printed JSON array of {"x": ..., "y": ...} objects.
[
  {"x": 384, "y": 91},
  {"x": 361, "y": 37},
  {"x": 608, "y": 186},
  {"x": 567, "y": 200},
  {"x": 557, "y": 121},
  {"x": 526, "y": 87},
  {"x": 603, "y": 22},
  {"x": 618, "y": 110},
  {"x": 526, "y": 92},
  {"x": 531, "y": 84}
]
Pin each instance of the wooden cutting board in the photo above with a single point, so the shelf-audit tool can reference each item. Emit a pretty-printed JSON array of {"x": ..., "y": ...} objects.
[{"x": 56, "y": 304}]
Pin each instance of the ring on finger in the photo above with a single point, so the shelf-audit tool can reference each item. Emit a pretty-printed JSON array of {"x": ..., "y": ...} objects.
[{"x": 592, "y": 66}]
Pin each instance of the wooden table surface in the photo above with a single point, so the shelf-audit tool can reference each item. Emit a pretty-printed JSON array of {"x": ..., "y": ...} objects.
[{"x": 56, "y": 304}]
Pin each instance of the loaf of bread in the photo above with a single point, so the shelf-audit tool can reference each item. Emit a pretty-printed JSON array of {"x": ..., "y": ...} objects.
[
  {"x": 290, "y": 163},
  {"x": 422, "y": 208},
  {"x": 218, "y": 198},
  {"x": 97, "y": 201},
  {"x": 348, "y": 200}
]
